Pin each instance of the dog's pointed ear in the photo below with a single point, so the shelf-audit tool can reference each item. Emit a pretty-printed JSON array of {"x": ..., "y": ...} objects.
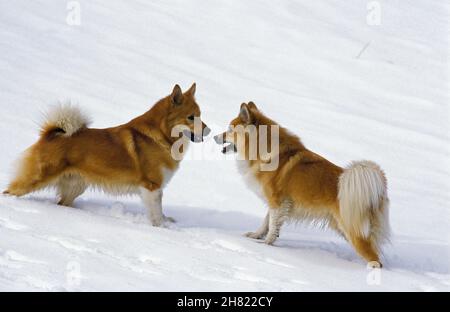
[
  {"x": 245, "y": 113},
  {"x": 191, "y": 90},
  {"x": 177, "y": 95},
  {"x": 252, "y": 105}
]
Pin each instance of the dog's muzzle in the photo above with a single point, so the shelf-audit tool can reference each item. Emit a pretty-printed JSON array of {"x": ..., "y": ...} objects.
[
  {"x": 195, "y": 137},
  {"x": 206, "y": 131},
  {"x": 228, "y": 146}
]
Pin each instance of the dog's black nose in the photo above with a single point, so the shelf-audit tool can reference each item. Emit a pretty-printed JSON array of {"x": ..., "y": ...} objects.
[{"x": 206, "y": 131}]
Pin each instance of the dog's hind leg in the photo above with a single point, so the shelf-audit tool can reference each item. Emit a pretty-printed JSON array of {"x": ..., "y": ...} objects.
[
  {"x": 70, "y": 187},
  {"x": 367, "y": 250},
  {"x": 31, "y": 176},
  {"x": 334, "y": 224},
  {"x": 263, "y": 229},
  {"x": 21, "y": 186}
]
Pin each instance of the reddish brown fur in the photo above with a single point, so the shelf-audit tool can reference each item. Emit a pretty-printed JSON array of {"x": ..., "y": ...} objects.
[
  {"x": 118, "y": 159},
  {"x": 304, "y": 182}
]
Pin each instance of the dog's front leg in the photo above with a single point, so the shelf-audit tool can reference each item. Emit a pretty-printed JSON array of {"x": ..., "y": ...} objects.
[
  {"x": 153, "y": 200},
  {"x": 263, "y": 229},
  {"x": 277, "y": 216}
]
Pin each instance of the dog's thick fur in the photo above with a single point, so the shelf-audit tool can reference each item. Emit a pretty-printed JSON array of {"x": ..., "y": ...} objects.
[
  {"x": 131, "y": 158},
  {"x": 305, "y": 186}
]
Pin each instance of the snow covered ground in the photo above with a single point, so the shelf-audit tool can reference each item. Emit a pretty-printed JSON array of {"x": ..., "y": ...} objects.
[{"x": 349, "y": 88}]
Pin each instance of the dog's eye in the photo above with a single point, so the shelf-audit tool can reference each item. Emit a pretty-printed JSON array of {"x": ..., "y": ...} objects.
[{"x": 191, "y": 117}]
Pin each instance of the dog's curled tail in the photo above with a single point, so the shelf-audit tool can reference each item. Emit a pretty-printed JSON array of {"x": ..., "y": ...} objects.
[
  {"x": 63, "y": 119},
  {"x": 364, "y": 203}
]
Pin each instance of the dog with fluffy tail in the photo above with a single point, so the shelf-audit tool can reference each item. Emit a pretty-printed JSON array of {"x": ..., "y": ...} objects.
[
  {"x": 132, "y": 158},
  {"x": 305, "y": 186}
]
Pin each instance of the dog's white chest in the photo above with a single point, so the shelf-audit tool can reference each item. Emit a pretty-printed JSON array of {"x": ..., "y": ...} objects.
[
  {"x": 250, "y": 180},
  {"x": 167, "y": 175}
]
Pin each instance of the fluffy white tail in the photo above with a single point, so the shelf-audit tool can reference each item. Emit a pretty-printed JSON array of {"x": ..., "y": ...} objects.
[
  {"x": 364, "y": 202},
  {"x": 64, "y": 119}
]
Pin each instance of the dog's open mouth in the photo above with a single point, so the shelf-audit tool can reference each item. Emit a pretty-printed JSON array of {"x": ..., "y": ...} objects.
[{"x": 229, "y": 147}]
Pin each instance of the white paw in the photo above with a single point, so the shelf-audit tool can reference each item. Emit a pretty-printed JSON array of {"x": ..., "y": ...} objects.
[
  {"x": 254, "y": 235},
  {"x": 270, "y": 239},
  {"x": 164, "y": 222},
  {"x": 169, "y": 219},
  {"x": 157, "y": 222}
]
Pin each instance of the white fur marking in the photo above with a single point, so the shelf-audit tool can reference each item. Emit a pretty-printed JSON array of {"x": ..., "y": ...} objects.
[
  {"x": 248, "y": 173},
  {"x": 167, "y": 176},
  {"x": 67, "y": 117},
  {"x": 276, "y": 220},
  {"x": 153, "y": 201}
]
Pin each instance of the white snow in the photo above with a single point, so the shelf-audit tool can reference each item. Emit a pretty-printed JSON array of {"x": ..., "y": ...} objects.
[{"x": 349, "y": 89}]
